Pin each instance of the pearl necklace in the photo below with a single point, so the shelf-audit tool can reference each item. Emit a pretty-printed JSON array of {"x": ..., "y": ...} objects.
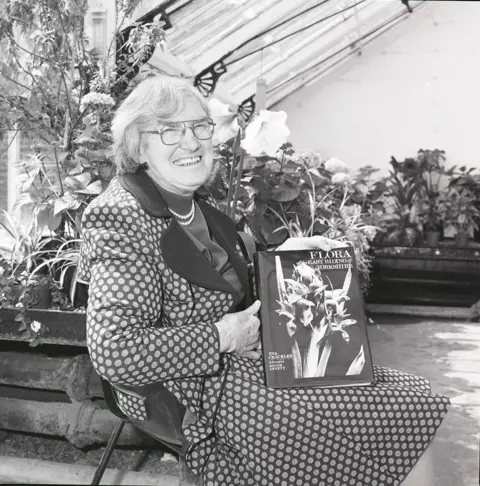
[{"x": 185, "y": 219}]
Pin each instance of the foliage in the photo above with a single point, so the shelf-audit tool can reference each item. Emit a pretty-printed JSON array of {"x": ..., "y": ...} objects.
[
  {"x": 421, "y": 195},
  {"x": 56, "y": 90},
  {"x": 280, "y": 193},
  {"x": 61, "y": 265},
  {"x": 24, "y": 283},
  {"x": 60, "y": 95},
  {"x": 410, "y": 196},
  {"x": 432, "y": 178},
  {"x": 460, "y": 209},
  {"x": 24, "y": 246},
  {"x": 294, "y": 194}
]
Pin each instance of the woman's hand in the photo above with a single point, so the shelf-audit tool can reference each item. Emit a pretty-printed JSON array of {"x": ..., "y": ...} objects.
[
  {"x": 240, "y": 332},
  {"x": 312, "y": 243}
]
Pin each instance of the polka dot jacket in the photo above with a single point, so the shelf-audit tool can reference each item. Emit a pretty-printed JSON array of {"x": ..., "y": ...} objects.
[{"x": 153, "y": 299}]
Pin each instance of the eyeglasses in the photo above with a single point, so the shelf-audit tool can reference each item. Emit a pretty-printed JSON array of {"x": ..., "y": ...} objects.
[{"x": 173, "y": 133}]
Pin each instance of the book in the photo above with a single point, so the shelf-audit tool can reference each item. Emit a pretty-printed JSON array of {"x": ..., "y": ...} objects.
[{"x": 313, "y": 325}]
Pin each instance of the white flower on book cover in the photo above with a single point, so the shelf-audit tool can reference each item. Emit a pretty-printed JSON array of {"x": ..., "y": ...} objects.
[{"x": 309, "y": 300}]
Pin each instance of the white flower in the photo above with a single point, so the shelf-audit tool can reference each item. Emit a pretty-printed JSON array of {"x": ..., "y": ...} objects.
[
  {"x": 309, "y": 158},
  {"x": 35, "y": 326},
  {"x": 341, "y": 178},
  {"x": 266, "y": 133},
  {"x": 98, "y": 100},
  {"x": 336, "y": 166},
  {"x": 226, "y": 122},
  {"x": 370, "y": 232}
]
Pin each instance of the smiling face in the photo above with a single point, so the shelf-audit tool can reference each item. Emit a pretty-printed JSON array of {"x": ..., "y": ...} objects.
[{"x": 181, "y": 168}]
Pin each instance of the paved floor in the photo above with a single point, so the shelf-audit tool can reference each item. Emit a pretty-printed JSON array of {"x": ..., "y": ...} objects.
[{"x": 446, "y": 352}]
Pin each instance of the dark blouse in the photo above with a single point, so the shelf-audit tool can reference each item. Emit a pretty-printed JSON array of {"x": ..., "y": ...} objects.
[{"x": 200, "y": 235}]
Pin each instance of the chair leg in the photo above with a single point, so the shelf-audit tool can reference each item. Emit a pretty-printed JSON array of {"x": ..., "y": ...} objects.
[{"x": 112, "y": 442}]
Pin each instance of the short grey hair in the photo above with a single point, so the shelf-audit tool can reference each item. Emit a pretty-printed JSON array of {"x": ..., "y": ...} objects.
[{"x": 155, "y": 99}]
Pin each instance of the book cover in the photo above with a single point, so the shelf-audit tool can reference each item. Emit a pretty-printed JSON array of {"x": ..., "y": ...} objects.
[{"x": 313, "y": 323}]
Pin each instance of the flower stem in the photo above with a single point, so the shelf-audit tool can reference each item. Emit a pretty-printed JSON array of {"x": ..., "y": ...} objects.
[
  {"x": 237, "y": 184},
  {"x": 235, "y": 147}
]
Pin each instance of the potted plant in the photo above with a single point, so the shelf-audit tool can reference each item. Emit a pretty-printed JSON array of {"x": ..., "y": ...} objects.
[
  {"x": 468, "y": 179},
  {"x": 61, "y": 265},
  {"x": 462, "y": 215},
  {"x": 274, "y": 192},
  {"x": 413, "y": 194},
  {"x": 431, "y": 218},
  {"x": 405, "y": 271},
  {"x": 23, "y": 284}
]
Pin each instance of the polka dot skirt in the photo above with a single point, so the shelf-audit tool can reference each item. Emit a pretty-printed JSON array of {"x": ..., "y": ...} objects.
[
  {"x": 148, "y": 325},
  {"x": 357, "y": 436}
]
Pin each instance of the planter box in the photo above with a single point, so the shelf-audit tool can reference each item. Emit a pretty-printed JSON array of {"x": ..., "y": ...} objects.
[
  {"x": 421, "y": 275},
  {"x": 57, "y": 327}
]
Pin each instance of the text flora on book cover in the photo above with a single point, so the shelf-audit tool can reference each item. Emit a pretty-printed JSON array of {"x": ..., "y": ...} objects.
[{"x": 313, "y": 321}]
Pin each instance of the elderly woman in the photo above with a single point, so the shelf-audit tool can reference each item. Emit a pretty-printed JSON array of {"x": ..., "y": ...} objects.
[{"x": 170, "y": 308}]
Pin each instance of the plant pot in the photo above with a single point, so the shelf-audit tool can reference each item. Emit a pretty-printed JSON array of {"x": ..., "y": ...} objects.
[
  {"x": 433, "y": 237},
  {"x": 461, "y": 239},
  {"x": 445, "y": 276}
]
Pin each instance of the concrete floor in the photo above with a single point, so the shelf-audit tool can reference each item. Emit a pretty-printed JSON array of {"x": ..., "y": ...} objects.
[{"x": 446, "y": 352}]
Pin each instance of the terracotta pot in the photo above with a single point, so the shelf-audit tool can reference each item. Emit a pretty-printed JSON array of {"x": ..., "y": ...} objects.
[
  {"x": 461, "y": 239},
  {"x": 433, "y": 237}
]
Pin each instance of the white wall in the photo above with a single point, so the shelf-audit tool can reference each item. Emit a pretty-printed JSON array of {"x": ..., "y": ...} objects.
[{"x": 417, "y": 86}]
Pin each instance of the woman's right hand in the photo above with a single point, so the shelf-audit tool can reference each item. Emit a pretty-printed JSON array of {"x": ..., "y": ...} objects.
[{"x": 239, "y": 332}]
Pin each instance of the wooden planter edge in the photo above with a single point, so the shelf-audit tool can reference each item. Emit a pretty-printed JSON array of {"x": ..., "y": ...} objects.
[{"x": 56, "y": 327}]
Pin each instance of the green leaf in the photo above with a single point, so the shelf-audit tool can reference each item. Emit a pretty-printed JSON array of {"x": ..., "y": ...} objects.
[
  {"x": 43, "y": 215},
  {"x": 291, "y": 167},
  {"x": 53, "y": 220},
  {"x": 292, "y": 179},
  {"x": 94, "y": 188},
  {"x": 30, "y": 180},
  {"x": 261, "y": 187},
  {"x": 78, "y": 182},
  {"x": 86, "y": 135},
  {"x": 77, "y": 169},
  {"x": 285, "y": 193},
  {"x": 67, "y": 201},
  {"x": 22, "y": 200}
]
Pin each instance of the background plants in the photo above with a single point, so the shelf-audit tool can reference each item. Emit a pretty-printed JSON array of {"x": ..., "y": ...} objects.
[{"x": 60, "y": 94}]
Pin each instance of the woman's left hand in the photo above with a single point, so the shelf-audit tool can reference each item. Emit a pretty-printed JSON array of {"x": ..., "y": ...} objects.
[{"x": 312, "y": 243}]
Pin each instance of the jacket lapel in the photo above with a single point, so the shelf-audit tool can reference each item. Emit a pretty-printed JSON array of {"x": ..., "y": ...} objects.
[
  {"x": 224, "y": 231},
  {"x": 184, "y": 258},
  {"x": 179, "y": 251}
]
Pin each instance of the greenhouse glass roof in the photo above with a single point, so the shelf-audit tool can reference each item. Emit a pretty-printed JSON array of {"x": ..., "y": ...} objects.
[{"x": 290, "y": 43}]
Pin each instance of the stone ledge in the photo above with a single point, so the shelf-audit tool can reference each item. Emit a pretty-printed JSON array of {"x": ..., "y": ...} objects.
[{"x": 467, "y": 313}]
